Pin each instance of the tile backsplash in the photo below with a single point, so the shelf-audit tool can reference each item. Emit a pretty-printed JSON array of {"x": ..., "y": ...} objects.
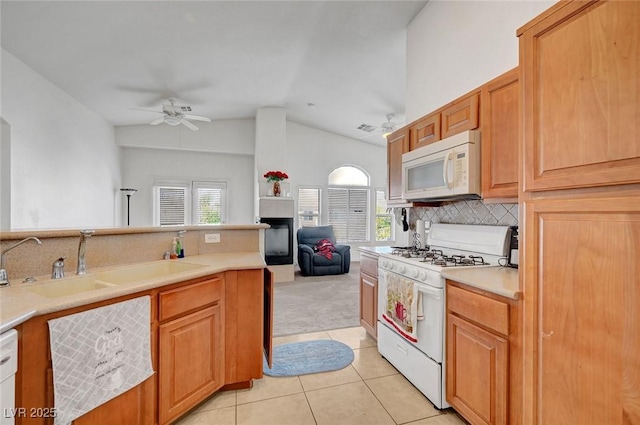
[{"x": 467, "y": 212}]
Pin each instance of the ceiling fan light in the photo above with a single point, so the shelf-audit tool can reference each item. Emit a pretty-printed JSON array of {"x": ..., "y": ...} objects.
[{"x": 173, "y": 121}]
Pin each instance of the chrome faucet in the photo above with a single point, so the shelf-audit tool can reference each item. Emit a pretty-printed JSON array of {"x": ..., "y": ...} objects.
[
  {"x": 4, "y": 279},
  {"x": 82, "y": 267}
]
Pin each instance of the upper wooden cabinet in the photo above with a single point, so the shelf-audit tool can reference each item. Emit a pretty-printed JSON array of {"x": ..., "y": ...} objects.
[
  {"x": 499, "y": 115},
  {"x": 581, "y": 95},
  {"x": 462, "y": 115},
  {"x": 397, "y": 144},
  {"x": 425, "y": 131}
]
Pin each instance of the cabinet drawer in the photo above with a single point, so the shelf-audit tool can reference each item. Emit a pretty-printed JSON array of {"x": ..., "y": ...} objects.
[
  {"x": 369, "y": 265},
  {"x": 485, "y": 311},
  {"x": 181, "y": 300}
]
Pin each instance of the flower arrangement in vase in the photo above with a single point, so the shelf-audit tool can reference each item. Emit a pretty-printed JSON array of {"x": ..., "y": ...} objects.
[{"x": 276, "y": 177}]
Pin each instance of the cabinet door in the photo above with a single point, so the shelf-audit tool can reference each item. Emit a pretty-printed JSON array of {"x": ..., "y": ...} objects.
[
  {"x": 500, "y": 106},
  {"x": 124, "y": 409},
  {"x": 425, "y": 131},
  {"x": 368, "y": 303},
  {"x": 461, "y": 116},
  {"x": 477, "y": 372},
  {"x": 191, "y": 361},
  {"x": 397, "y": 144},
  {"x": 244, "y": 327},
  {"x": 582, "y": 97},
  {"x": 581, "y": 302}
]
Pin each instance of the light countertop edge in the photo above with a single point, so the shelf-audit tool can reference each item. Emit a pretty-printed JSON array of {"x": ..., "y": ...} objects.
[
  {"x": 376, "y": 250},
  {"x": 18, "y": 305},
  {"x": 497, "y": 280}
]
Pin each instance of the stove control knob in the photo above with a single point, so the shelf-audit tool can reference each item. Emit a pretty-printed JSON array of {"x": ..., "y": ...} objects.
[
  {"x": 423, "y": 276},
  {"x": 402, "y": 269},
  {"x": 414, "y": 273},
  {"x": 389, "y": 265}
]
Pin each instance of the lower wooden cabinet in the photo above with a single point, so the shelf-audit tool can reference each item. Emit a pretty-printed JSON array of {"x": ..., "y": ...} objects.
[
  {"x": 191, "y": 360},
  {"x": 369, "y": 293},
  {"x": 206, "y": 334},
  {"x": 477, "y": 372},
  {"x": 478, "y": 329}
]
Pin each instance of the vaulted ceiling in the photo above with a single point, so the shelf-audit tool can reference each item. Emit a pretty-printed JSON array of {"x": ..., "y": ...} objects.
[{"x": 333, "y": 65}]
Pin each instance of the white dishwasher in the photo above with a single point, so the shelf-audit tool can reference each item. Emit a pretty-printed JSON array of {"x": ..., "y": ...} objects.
[{"x": 8, "y": 368}]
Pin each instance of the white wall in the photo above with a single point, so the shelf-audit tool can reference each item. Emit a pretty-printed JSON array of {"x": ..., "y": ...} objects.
[
  {"x": 222, "y": 136},
  {"x": 64, "y": 162},
  {"x": 141, "y": 167},
  {"x": 456, "y": 46},
  {"x": 312, "y": 154}
]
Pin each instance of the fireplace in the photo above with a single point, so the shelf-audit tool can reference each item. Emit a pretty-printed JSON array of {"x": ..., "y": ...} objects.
[{"x": 278, "y": 241}]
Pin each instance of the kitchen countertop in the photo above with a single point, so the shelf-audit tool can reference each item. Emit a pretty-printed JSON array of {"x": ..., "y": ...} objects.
[
  {"x": 17, "y": 304},
  {"x": 498, "y": 280},
  {"x": 377, "y": 250}
]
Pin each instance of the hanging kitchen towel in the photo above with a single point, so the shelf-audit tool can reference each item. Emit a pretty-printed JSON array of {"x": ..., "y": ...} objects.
[
  {"x": 99, "y": 354},
  {"x": 402, "y": 306}
]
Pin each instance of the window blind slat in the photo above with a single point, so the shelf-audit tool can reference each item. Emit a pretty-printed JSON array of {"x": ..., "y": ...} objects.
[{"x": 172, "y": 211}]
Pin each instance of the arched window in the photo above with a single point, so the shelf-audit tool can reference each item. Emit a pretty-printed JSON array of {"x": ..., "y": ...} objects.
[
  {"x": 348, "y": 175},
  {"x": 348, "y": 203}
]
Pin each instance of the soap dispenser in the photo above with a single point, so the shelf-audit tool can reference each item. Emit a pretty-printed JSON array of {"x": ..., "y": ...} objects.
[{"x": 180, "y": 251}]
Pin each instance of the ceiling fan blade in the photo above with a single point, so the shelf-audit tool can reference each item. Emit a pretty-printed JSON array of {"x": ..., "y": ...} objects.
[
  {"x": 197, "y": 118},
  {"x": 157, "y": 121},
  {"x": 146, "y": 110},
  {"x": 189, "y": 125}
]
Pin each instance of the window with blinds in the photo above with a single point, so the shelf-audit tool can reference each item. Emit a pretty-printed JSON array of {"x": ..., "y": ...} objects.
[
  {"x": 171, "y": 202},
  {"x": 208, "y": 198},
  {"x": 308, "y": 206},
  {"x": 183, "y": 203},
  {"x": 384, "y": 219},
  {"x": 348, "y": 213}
]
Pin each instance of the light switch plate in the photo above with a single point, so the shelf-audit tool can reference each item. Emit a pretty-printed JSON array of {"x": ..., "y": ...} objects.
[{"x": 212, "y": 238}]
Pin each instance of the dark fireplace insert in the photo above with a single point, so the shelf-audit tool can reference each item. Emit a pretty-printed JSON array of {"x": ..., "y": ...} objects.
[{"x": 278, "y": 241}]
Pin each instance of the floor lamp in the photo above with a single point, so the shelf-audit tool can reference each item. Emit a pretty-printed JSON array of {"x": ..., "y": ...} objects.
[{"x": 128, "y": 192}]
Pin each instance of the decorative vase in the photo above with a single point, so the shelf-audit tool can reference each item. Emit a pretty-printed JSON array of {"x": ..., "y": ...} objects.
[{"x": 276, "y": 188}]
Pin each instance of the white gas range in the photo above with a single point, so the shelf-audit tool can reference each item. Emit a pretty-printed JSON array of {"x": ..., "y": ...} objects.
[{"x": 411, "y": 299}]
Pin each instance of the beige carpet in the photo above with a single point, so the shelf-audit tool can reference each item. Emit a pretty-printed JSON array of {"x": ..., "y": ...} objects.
[{"x": 317, "y": 303}]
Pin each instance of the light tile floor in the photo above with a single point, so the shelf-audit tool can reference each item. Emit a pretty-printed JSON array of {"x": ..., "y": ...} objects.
[{"x": 368, "y": 392}]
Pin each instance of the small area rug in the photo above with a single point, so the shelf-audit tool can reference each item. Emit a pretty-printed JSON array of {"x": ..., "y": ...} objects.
[{"x": 305, "y": 357}]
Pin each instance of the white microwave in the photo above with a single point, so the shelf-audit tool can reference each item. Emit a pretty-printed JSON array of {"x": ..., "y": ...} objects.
[{"x": 447, "y": 169}]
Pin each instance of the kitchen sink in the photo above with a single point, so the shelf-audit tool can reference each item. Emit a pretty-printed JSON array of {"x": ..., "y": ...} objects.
[
  {"x": 134, "y": 273},
  {"x": 70, "y": 286}
]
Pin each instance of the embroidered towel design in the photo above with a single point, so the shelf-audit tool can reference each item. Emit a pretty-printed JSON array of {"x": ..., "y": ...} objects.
[
  {"x": 98, "y": 355},
  {"x": 402, "y": 306}
]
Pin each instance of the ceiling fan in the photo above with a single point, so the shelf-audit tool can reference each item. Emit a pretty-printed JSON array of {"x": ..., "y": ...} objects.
[
  {"x": 173, "y": 115},
  {"x": 385, "y": 128}
]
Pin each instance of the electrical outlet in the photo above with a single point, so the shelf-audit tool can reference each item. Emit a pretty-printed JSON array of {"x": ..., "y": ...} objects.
[{"x": 212, "y": 238}]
